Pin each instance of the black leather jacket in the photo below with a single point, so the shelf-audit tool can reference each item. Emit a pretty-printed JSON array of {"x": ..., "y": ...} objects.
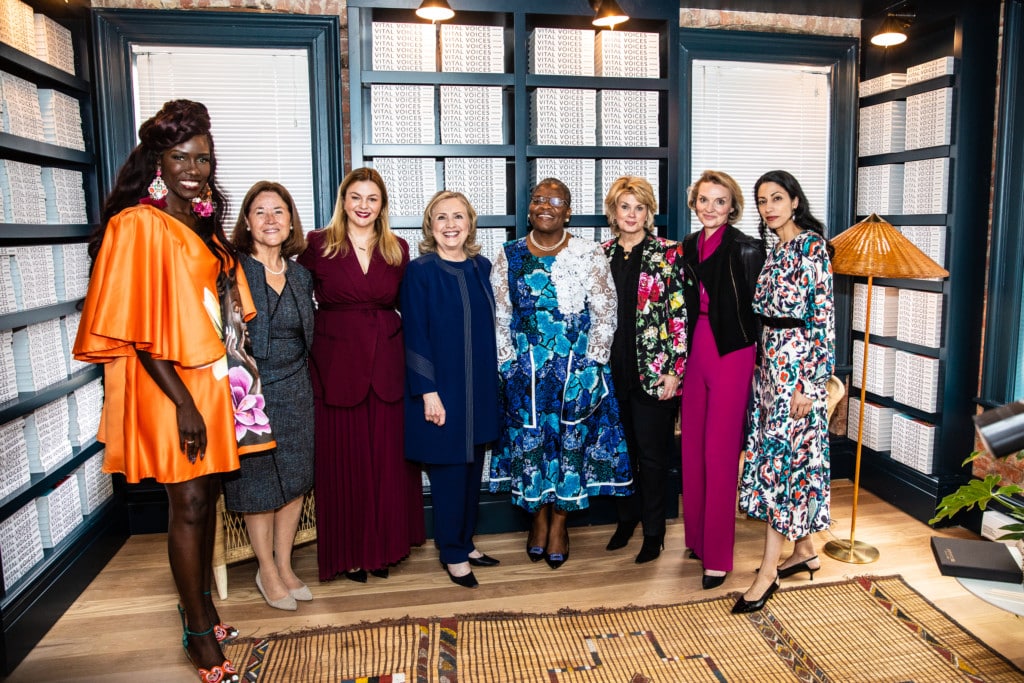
[{"x": 729, "y": 276}]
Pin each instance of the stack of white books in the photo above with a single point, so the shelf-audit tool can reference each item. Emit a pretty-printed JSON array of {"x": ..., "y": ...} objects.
[
  {"x": 883, "y": 128},
  {"x": 62, "y": 119},
  {"x": 53, "y": 44},
  {"x": 913, "y": 443},
  {"x": 627, "y": 118},
  {"x": 46, "y": 437},
  {"x": 68, "y": 332},
  {"x": 885, "y": 303},
  {"x": 60, "y": 511},
  {"x": 610, "y": 170},
  {"x": 33, "y": 277},
  {"x": 563, "y": 116},
  {"x": 20, "y": 544},
  {"x": 880, "y": 189},
  {"x": 482, "y": 179},
  {"x": 920, "y": 319},
  {"x": 491, "y": 241},
  {"x": 39, "y": 355},
  {"x": 8, "y": 301},
  {"x": 881, "y": 368},
  {"x": 877, "y": 424},
  {"x": 8, "y": 375},
  {"x": 71, "y": 270},
  {"x": 84, "y": 407},
  {"x": 931, "y": 239},
  {"x": 926, "y": 186},
  {"x": 577, "y": 174},
  {"x": 475, "y": 49},
  {"x": 402, "y": 114},
  {"x": 404, "y": 47},
  {"x": 917, "y": 382},
  {"x": 471, "y": 115},
  {"x": 64, "y": 196},
  {"x": 14, "y": 472},
  {"x": 411, "y": 182},
  {"x": 929, "y": 119},
  {"x": 943, "y": 66},
  {"x": 17, "y": 26},
  {"x": 20, "y": 112},
  {"x": 94, "y": 487},
  {"x": 628, "y": 54},
  {"x": 21, "y": 185},
  {"x": 561, "y": 51},
  {"x": 884, "y": 83}
]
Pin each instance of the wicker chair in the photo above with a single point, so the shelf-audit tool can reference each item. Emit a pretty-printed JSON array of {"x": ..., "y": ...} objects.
[
  {"x": 231, "y": 543},
  {"x": 836, "y": 390}
]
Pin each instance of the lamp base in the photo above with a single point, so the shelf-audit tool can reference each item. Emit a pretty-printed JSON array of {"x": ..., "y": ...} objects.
[{"x": 857, "y": 553}]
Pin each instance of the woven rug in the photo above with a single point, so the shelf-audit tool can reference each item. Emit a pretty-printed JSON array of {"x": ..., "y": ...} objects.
[{"x": 867, "y": 629}]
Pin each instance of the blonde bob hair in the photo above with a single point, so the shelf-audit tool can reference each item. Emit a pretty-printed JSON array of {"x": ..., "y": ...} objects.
[
  {"x": 383, "y": 240},
  {"x": 429, "y": 244},
  {"x": 726, "y": 181},
  {"x": 639, "y": 188}
]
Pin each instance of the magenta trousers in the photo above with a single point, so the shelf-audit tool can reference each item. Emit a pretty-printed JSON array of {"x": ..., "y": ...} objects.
[{"x": 716, "y": 393}]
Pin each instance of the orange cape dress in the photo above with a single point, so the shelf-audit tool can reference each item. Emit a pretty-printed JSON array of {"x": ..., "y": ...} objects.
[{"x": 154, "y": 287}]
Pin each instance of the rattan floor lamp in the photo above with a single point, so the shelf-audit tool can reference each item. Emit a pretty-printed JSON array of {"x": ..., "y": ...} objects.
[{"x": 872, "y": 248}]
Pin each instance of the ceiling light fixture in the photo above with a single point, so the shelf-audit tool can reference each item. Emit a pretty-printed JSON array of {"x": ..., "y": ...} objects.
[
  {"x": 435, "y": 10},
  {"x": 608, "y": 14},
  {"x": 893, "y": 30}
]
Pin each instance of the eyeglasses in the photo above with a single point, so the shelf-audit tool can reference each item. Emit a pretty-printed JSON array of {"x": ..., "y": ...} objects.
[{"x": 553, "y": 201}]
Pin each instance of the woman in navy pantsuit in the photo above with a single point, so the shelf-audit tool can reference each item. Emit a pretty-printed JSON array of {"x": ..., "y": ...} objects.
[{"x": 451, "y": 397}]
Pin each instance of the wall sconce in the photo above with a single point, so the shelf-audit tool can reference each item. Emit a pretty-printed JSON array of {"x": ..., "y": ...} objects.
[
  {"x": 435, "y": 10},
  {"x": 608, "y": 14},
  {"x": 893, "y": 30}
]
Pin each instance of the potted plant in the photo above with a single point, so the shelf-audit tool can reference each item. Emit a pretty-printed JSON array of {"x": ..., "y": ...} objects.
[{"x": 981, "y": 492}]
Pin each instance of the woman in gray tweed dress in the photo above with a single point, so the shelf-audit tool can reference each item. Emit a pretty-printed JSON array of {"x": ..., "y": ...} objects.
[{"x": 269, "y": 488}]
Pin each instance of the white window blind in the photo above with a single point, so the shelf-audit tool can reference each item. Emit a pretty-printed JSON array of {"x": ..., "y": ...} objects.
[
  {"x": 751, "y": 117},
  {"x": 259, "y": 107}
]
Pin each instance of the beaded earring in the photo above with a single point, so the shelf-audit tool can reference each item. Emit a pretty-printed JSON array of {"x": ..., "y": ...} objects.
[
  {"x": 203, "y": 207},
  {"x": 158, "y": 188}
]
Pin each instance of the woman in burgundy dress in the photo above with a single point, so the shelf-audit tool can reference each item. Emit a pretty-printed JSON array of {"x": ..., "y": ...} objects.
[{"x": 369, "y": 500}]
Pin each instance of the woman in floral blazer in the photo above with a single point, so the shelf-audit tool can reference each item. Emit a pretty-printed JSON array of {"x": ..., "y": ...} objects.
[{"x": 648, "y": 355}]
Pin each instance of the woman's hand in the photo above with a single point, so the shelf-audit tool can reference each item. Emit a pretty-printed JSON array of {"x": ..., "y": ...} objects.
[
  {"x": 800, "y": 406},
  {"x": 191, "y": 431},
  {"x": 669, "y": 384},
  {"x": 433, "y": 409}
]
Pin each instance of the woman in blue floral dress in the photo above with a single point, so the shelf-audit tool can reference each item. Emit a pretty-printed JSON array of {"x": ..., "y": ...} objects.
[
  {"x": 786, "y": 464},
  {"x": 556, "y": 314}
]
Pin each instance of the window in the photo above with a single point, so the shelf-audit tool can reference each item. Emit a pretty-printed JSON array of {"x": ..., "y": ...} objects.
[
  {"x": 260, "y": 124},
  {"x": 286, "y": 67},
  {"x": 750, "y": 117}
]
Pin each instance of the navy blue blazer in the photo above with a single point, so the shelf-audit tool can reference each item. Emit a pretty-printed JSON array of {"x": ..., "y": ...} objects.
[
  {"x": 439, "y": 354},
  {"x": 301, "y": 282}
]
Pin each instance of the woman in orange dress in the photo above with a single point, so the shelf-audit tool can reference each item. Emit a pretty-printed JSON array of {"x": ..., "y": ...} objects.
[{"x": 165, "y": 298}]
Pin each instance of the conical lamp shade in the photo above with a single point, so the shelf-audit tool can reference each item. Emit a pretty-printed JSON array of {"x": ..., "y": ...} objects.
[
  {"x": 873, "y": 247},
  {"x": 609, "y": 14}
]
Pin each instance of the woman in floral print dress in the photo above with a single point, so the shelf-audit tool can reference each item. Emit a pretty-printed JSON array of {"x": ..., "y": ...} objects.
[
  {"x": 648, "y": 355},
  {"x": 786, "y": 464},
  {"x": 556, "y": 313}
]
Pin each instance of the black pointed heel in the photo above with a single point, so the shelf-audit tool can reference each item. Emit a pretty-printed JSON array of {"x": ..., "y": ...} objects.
[
  {"x": 744, "y": 607},
  {"x": 711, "y": 582},
  {"x": 534, "y": 552},
  {"x": 800, "y": 567},
  {"x": 651, "y": 549},
  {"x": 467, "y": 581},
  {"x": 357, "y": 575},
  {"x": 620, "y": 539}
]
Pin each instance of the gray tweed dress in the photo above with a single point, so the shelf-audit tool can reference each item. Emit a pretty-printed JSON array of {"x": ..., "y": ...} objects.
[{"x": 268, "y": 480}]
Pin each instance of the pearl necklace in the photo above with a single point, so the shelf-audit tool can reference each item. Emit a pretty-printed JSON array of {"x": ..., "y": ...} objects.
[
  {"x": 284, "y": 267},
  {"x": 552, "y": 247}
]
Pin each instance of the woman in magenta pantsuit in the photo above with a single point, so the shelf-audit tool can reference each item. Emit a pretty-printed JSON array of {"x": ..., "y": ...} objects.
[
  {"x": 369, "y": 499},
  {"x": 721, "y": 266}
]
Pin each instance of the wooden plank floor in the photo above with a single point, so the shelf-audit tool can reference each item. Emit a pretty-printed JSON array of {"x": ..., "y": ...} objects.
[{"x": 125, "y": 626}]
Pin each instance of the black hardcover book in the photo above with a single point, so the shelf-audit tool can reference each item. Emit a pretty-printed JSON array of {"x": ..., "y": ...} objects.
[{"x": 971, "y": 559}]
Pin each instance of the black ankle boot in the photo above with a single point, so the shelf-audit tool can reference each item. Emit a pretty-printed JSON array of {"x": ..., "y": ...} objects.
[
  {"x": 623, "y": 532},
  {"x": 651, "y": 548}
]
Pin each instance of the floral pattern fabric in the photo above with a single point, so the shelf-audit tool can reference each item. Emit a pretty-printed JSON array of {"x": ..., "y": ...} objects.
[
  {"x": 563, "y": 439},
  {"x": 660, "y": 312},
  {"x": 786, "y": 477}
]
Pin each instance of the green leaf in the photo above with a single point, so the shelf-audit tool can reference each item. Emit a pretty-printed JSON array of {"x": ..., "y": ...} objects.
[{"x": 976, "y": 492}]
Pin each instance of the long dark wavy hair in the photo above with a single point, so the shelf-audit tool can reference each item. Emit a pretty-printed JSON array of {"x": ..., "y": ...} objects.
[
  {"x": 802, "y": 216},
  {"x": 177, "y": 121}
]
